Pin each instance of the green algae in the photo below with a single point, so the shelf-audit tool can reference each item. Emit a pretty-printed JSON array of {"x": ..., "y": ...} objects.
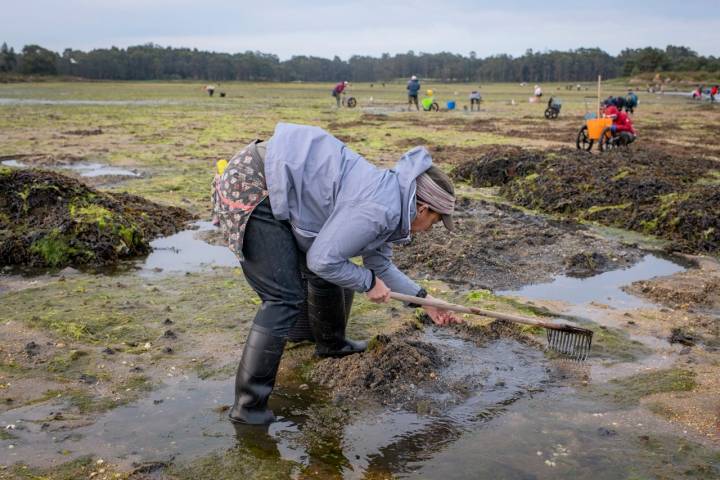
[
  {"x": 78, "y": 468},
  {"x": 131, "y": 389},
  {"x": 614, "y": 345},
  {"x": 628, "y": 391},
  {"x": 56, "y": 249}
]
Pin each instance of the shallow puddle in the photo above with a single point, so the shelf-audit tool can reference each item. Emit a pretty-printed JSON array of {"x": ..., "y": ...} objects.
[
  {"x": 99, "y": 169},
  {"x": 185, "y": 252},
  {"x": 603, "y": 288},
  {"x": 83, "y": 169}
]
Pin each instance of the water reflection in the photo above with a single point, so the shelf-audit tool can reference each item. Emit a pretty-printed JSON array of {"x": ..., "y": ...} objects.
[
  {"x": 185, "y": 252},
  {"x": 82, "y": 168},
  {"x": 604, "y": 288}
]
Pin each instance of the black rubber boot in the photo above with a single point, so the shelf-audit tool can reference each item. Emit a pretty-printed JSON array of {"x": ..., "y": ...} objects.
[
  {"x": 256, "y": 377},
  {"x": 328, "y": 310},
  {"x": 301, "y": 331}
]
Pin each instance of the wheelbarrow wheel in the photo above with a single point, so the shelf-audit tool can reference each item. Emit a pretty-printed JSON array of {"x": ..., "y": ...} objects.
[
  {"x": 434, "y": 107},
  {"x": 351, "y": 102},
  {"x": 607, "y": 140},
  {"x": 584, "y": 142},
  {"x": 551, "y": 113}
]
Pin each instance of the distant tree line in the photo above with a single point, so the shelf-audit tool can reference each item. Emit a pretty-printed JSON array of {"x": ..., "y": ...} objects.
[{"x": 153, "y": 62}]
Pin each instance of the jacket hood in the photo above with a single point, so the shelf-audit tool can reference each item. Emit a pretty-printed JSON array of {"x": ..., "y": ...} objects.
[{"x": 410, "y": 166}]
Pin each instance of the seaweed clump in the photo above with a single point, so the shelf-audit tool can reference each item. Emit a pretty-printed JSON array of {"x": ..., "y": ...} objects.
[{"x": 51, "y": 220}]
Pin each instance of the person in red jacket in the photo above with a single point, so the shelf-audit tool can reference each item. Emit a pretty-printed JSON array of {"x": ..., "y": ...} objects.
[
  {"x": 713, "y": 93},
  {"x": 622, "y": 126},
  {"x": 338, "y": 90}
]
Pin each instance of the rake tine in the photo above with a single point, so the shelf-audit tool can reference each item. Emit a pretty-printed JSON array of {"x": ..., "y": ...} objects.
[
  {"x": 572, "y": 344},
  {"x": 582, "y": 351},
  {"x": 552, "y": 339},
  {"x": 569, "y": 344},
  {"x": 559, "y": 342},
  {"x": 565, "y": 343},
  {"x": 581, "y": 348},
  {"x": 570, "y": 341},
  {"x": 577, "y": 345},
  {"x": 585, "y": 345}
]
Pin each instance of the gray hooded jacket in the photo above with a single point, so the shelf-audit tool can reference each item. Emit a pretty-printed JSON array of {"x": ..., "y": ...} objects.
[{"x": 340, "y": 206}]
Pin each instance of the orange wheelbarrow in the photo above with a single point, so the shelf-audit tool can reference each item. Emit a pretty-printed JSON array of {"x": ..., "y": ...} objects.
[{"x": 594, "y": 130}]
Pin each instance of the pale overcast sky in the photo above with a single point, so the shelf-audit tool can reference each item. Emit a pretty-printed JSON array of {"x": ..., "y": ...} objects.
[{"x": 371, "y": 27}]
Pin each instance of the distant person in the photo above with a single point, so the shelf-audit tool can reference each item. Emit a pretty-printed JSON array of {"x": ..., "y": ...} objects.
[
  {"x": 413, "y": 87},
  {"x": 428, "y": 102},
  {"x": 631, "y": 101},
  {"x": 622, "y": 125},
  {"x": 697, "y": 94},
  {"x": 210, "y": 89},
  {"x": 619, "y": 102},
  {"x": 713, "y": 93},
  {"x": 338, "y": 90},
  {"x": 538, "y": 91},
  {"x": 475, "y": 100}
]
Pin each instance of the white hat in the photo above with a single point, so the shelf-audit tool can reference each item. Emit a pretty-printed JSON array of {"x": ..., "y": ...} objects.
[
  {"x": 413, "y": 77},
  {"x": 345, "y": 82}
]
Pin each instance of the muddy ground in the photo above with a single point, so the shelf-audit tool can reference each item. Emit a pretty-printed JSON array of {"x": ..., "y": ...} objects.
[
  {"x": 51, "y": 220},
  {"x": 496, "y": 246},
  {"x": 695, "y": 294}
]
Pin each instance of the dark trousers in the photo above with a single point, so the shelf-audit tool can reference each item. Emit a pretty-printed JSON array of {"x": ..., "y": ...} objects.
[
  {"x": 413, "y": 99},
  {"x": 276, "y": 269}
]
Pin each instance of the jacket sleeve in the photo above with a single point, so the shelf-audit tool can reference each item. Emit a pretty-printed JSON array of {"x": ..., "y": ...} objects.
[
  {"x": 380, "y": 262},
  {"x": 348, "y": 231}
]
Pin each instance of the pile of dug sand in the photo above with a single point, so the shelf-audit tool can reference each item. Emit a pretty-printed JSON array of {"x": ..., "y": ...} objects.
[
  {"x": 403, "y": 370},
  {"x": 388, "y": 372},
  {"x": 51, "y": 220}
]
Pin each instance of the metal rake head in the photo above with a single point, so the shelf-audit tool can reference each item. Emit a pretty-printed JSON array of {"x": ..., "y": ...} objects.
[{"x": 569, "y": 341}]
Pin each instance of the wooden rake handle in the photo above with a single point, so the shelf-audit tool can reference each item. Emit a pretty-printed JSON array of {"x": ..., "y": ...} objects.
[{"x": 437, "y": 303}]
